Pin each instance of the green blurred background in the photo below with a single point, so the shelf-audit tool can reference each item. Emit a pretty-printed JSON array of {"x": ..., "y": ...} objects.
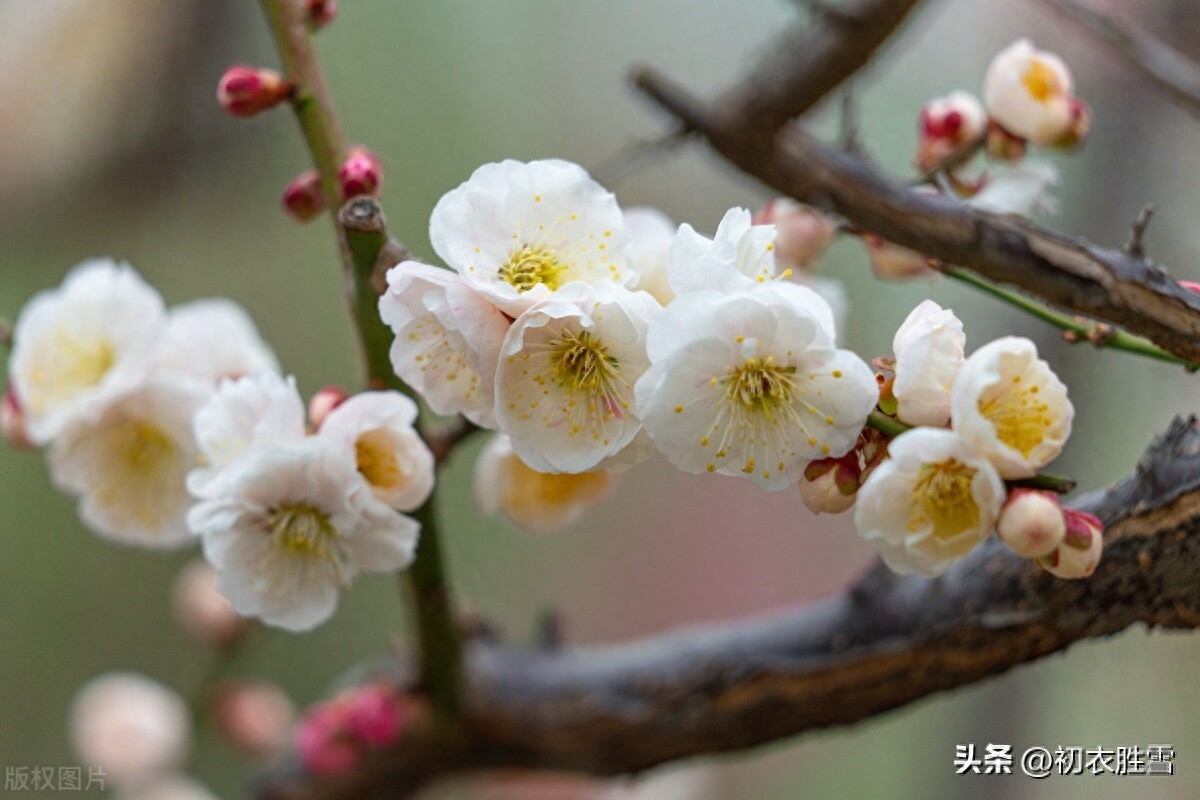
[{"x": 111, "y": 144}]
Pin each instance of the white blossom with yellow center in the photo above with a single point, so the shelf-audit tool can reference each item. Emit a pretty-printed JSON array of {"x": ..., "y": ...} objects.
[
  {"x": 929, "y": 350},
  {"x": 1010, "y": 407},
  {"x": 448, "y": 339},
  {"x": 375, "y": 430},
  {"x": 752, "y": 384},
  {"x": 1028, "y": 92},
  {"x": 295, "y": 522},
  {"x": 538, "y": 502},
  {"x": 129, "y": 466},
  {"x": 930, "y": 504},
  {"x": 517, "y": 232},
  {"x": 78, "y": 347},
  {"x": 564, "y": 388}
]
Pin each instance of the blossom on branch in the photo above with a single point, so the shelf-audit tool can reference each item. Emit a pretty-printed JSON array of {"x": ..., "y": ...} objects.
[
  {"x": 1028, "y": 92},
  {"x": 739, "y": 256},
  {"x": 929, "y": 350}
]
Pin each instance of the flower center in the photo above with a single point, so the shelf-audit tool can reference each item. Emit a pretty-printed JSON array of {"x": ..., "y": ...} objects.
[
  {"x": 942, "y": 500},
  {"x": 70, "y": 365},
  {"x": 376, "y": 456},
  {"x": 146, "y": 448},
  {"x": 530, "y": 266},
  {"x": 580, "y": 362},
  {"x": 1040, "y": 81},
  {"x": 302, "y": 529},
  {"x": 1019, "y": 416},
  {"x": 761, "y": 386}
]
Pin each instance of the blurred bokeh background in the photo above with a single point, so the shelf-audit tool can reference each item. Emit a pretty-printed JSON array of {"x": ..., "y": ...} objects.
[{"x": 111, "y": 144}]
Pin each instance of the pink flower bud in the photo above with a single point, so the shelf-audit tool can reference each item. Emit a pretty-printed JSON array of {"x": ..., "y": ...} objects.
[
  {"x": 320, "y": 12},
  {"x": 302, "y": 198},
  {"x": 377, "y": 715},
  {"x": 801, "y": 232},
  {"x": 203, "y": 612},
  {"x": 1081, "y": 125},
  {"x": 949, "y": 125},
  {"x": 1079, "y": 553},
  {"x": 323, "y": 741},
  {"x": 1031, "y": 523},
  {"x": 12, "y": 422},
  {"x": 253, "y": 716},
  {"x": 1191, "y": 286},
  {"x": 893, "y": 262},
  {"x": 361, "y": 173},
  {"x": 824, "y": 496},
  {"x": 245, "y": 91},
  {"x": 323, "y": 402}
]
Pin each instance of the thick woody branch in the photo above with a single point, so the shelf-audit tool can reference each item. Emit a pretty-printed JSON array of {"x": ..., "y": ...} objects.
[
  {"x": 885, "y": 642},
  {"x": 1169, "y": 69}
]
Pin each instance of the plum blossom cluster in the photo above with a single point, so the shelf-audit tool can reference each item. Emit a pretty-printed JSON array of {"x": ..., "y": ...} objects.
[
  {"x": 173, "y": 426},
  {"x": 999, "y": 415}
]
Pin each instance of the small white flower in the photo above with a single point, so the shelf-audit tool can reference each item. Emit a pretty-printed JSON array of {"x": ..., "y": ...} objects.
[
  {"x": 1028, "y": 92},
  {"x": 752, "y": 384},
  {"x": 564, "y": 389},
  {"x": 130, "y": 465},
  {"x": 258, "y": 408},
  {"x": 516, "y": 231},
  {"x": 1031, "y": 523},
  {"x": 294, "y": 523},
  {"x": 448, "y": 339},
  {"x": 1022, "y": 189},
  {"x": 375, "y": 431},
  {"x": 130, "y": 726},
  {"x": 538, "y": 502},
  {"x": 213, "y": 339},
  {"x": 78, "y": 347},
  {"x": 929, "y": 351},
  {"x": 1010, "y": 407},
  {"x": 930, "y": 504},
  {"x": 739, "y": 256},
  {"x": 652, "y": 232}
]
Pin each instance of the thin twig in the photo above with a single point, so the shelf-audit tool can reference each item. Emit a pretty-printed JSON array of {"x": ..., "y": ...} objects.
[{"x": 1136, "y": 247}]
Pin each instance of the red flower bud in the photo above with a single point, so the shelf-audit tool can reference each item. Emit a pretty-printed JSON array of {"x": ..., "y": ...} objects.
[
  {"x": 302, "y": 198},
  {"x": 320, "y": 12},
  {"x": 361, "y": 173},
  {"x": 246, "y": 91}
]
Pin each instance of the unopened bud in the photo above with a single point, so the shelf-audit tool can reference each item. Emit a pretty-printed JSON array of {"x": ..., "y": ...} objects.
[
  {"x": 1081, "y": 125},
  {"x": 320, "y": 12},
  {"x": 12, "y": 422},
  {"x": 948, "y": 126},
  {"x": 202, "y": 611},
  {"x": 302, "y": 198},
  {"x": 1028, "y": 91},
  {"x": 323, "y": 402},
  {"x": 253, "y": 716},
  {"x": 893, "y": 262},
  {"x": 245, "y": 91},
  {"x": 361, "y": 173},
  {"x": 334, "y": 736},
  {"x": 830, "y": 486},
  {"x": 1002, "y": 145},
  {"x": 1191, "y": 286},
  {"x": 1079, "y": 553},
  {"x": 1031, "y": 523},
  {"x": 801, "y": 232}
]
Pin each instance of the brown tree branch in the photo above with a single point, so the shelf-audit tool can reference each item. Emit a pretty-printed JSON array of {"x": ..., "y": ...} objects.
[
  {"x": 1169, "y": 69},
  {"x": 885, "y": 642}
]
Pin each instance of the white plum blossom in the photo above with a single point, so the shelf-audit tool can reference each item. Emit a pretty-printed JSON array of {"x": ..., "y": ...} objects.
[
  {"x": 210, "y": 340},
  {"x": 651, "y": 232},
  {"x": 375, "y": 431},
  {"x": 564, "y": 388},
  {"x": 1022, "y": 189},
  {"x": 80, "y": 346},
  {"x": 518, "y": 231},
  {"x": 259, "y": 408},
  {"x": 129, "y": 466},
  {"x": 129, "y": 726},
  {"x": 448, "y": 339},
  {"x": 294, "y": 523},
  {"x": 929, "y": 350},
  {"x": 1028, "y": 92},
  {"x": 930, "y": 504},
  {"x": 751, "y": 383},
  {"x": 739, "y": 256},
  {"x": 1010, "y": 407},
  {"x": 538, "y": 502}
]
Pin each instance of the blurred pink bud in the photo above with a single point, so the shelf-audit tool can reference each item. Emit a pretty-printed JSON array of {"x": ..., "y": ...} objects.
[
  {"x": 320, "y": 12},
  {"x": 948, "y": 126},
  {"x": 202, "y": 611},
  {"x": 893, "y": 262},
  {"x": 323, "y": 742},
  {"x": 1191, "y": 286},
  {"x": 245, "y": 91},
  {"x": 253, "y": 716},
  {"x": 323, "y": 402},
  {"x": 12, "y": 422},
  {"x": 130, "y": 726},
  {"x": 361, "y": 173},
  {"x": 1081, "y": 125},
  {"x": 377, "y": 715},
  {"x": 1031, "y": 523},
  {"x": 1002, "y": 145},
  {"x": 1079, "y": 553},
  {"x": 302, "y": 198},
  {"x": 801, "y": 232}
]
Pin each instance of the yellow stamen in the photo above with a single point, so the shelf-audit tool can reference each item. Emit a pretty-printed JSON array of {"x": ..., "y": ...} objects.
[
  {"x": 530, "y": 266},
  {"x": 1040, "y": 81},
  {"x": 1019, "y": 416},
  {"x": 942, "y": 500}
]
